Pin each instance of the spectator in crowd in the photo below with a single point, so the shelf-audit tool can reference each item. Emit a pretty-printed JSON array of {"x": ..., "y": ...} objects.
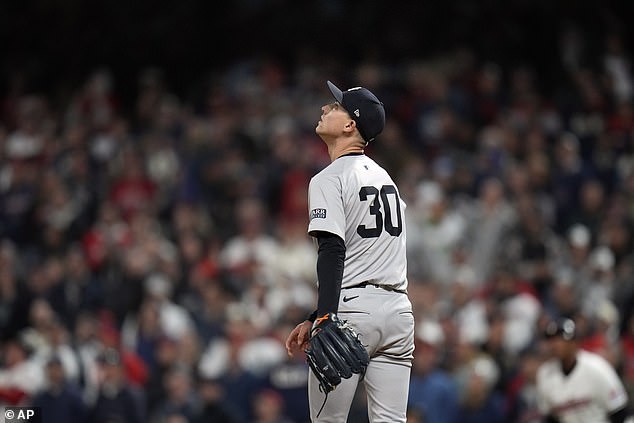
[
  {"x": 289, "y": 377},
  {"x": 570, "y": 176},
  {"x": 269, "y": 407},
  {"x": 143, "y": 333},
  {"x": 60, "y": 400},
  {"x": 520, "y": 392},
  {"x": 174, "y": 320},
  {"x": 208, "y": 304},
  {"x": 58, "y": 343},
  {"x": 247, "y": 254},
  {"x": 433, "y": 392},
  {"x": 180, "y": 395},
  {"x": 132, "y": 191},
  {"x": 438, "y": 231},
  {"x": 479, "y": 400},
  {"x": 488, "y": 225},
  {"x": 21, "y": 375},
  {"x": 240, "y": 375},
  {"x": 116, "y": 399},
  {"x": 518, "y": 306},
  {"x": 87, "y": 346},
  {"x": 165, "y": 358},
  {"x": 80, "y": 290},
  {"x": 212, "y": 405}
]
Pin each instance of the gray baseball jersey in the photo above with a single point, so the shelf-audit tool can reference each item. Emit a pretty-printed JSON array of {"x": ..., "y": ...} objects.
[
  {"x": 588, "y": 394},
  {"x": 357, "y": 200}
]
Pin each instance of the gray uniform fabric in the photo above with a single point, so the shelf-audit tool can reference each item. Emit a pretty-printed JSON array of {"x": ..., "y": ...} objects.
[{"x": 385, "y": 323}]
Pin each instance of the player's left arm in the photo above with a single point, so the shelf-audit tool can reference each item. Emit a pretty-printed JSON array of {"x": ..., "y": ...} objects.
[
  {"x": 330, "y": 261},
  {"x": 327, "y": 226},
  {"x": 610, "y": 391}
]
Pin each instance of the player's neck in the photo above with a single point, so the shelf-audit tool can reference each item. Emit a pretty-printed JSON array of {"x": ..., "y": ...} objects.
[
  {"x": 568, "y": 364},
  {"x": 336, "y": 150}
]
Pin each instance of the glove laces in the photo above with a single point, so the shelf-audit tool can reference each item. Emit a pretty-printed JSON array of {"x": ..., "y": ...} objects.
[{"x": 325, "y": 399}]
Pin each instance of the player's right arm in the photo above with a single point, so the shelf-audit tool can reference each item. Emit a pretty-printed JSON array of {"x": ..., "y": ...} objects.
[{"x": 542, "y": 395}]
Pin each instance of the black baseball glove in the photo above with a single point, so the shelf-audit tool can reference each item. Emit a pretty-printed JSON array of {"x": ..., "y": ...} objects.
[{"x": 334, "y": 352}]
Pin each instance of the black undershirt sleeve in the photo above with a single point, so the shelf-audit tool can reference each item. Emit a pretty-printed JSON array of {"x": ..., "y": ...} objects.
[
  {"x": 618, "y": 416},
  {"x": 312, "y": 316},
  {"x": 551, "y": 419},
  {"x": 330, "y": 258}
]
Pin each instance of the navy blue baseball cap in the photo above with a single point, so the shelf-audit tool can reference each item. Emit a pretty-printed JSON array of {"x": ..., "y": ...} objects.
[{"x": 363, "y": 107}]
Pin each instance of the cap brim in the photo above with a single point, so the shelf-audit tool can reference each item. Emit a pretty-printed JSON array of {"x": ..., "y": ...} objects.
[{"x": 336, "y": 92}]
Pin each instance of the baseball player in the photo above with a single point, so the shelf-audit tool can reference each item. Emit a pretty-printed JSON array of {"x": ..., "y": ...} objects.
[
  {"x": 357, "y": 219},
  {"x": 578, "y": 386}
]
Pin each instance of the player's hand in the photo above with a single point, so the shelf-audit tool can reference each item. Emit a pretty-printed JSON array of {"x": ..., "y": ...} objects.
[
  {"x": 335, "y": 352},
  {"x": 298, "y": 338}
]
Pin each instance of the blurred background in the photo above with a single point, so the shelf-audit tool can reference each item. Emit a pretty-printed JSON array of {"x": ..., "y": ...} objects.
[{"x": 154, "y": 162}]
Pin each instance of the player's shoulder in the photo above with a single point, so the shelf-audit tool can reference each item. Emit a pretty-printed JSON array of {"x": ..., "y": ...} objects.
[
  {"x": 327, "y": 180},
  {"x": 547, "y": 369},
  {"x": 329, "y": 173},
  {"x": 593, "y": 360}
]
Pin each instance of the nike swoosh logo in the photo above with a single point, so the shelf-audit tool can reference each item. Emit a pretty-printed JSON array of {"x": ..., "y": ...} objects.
[{"x": 346, "y": 299}]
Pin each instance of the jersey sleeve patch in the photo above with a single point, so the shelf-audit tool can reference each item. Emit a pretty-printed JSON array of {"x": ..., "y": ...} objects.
[{"x": 317, "y": 214}]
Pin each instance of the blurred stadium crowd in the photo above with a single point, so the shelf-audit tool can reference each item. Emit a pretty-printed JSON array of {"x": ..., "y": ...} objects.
[{"x": 153, "y": 260}]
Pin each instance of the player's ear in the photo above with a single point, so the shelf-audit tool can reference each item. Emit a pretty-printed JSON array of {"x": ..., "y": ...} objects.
[{"x": 350, "y": 126}]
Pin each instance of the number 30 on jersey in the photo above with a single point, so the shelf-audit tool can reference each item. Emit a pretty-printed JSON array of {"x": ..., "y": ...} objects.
[{"x": 381, "y": 209}]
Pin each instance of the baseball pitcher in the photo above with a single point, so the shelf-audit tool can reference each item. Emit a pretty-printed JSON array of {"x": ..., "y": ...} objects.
[{"x": 363, "y": 328}]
